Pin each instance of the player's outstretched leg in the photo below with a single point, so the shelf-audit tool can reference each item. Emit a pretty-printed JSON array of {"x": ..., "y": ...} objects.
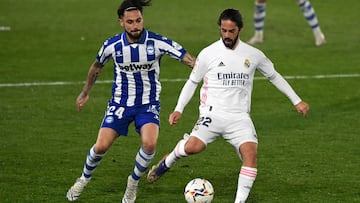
[{"x": 168, "y": 160}]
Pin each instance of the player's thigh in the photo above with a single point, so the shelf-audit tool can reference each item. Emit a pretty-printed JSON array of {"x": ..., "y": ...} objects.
[{"x": 106, "y": 137}]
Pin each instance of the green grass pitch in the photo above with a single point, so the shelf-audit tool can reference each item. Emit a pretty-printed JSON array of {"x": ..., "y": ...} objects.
[{"x": 44, "y": 140}]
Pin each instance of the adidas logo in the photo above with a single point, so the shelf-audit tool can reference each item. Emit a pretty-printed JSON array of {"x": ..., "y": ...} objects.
[{"x": 221, "y": 64}]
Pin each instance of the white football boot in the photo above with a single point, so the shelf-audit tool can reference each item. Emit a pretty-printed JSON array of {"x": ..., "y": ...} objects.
[
  {"x": 258, "y": 38},
  {"x": 74, "y": 192},
  {"x": 130, "y": 192},
  {"x": 319, "y": 38}
]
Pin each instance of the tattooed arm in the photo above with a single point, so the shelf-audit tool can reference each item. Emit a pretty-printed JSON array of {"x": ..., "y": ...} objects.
[{"x": 93, "y": 74}]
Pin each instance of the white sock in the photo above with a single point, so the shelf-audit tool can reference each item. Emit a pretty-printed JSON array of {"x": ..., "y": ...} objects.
[
  {"x": 246, "y": 179},
  {"x": 176, "y": 154}
]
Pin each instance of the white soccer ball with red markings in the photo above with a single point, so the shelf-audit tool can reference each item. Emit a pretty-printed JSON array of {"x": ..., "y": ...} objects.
[{"x": 199, "y": 190}]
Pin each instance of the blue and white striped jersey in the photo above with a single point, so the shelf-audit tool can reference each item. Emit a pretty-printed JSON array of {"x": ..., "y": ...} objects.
[{"x": 137, "y": 66}]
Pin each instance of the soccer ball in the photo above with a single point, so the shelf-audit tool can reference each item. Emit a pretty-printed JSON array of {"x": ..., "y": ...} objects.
[{"x": 199, "y": 190}]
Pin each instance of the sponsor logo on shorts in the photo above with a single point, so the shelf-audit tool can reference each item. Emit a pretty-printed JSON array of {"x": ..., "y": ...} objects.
[
  {"x": 153, "y": 109},
  {"x": 109, "y": 119},
  {"x": 196, "y": 127},
  {"x": 156, "y": 117}
]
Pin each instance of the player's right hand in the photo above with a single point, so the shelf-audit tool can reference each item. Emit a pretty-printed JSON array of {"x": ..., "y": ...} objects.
[
  {"x": 302, "y": 108},
  {"x": 174, "y": 117},
  {"x": 81, "y": 100}
]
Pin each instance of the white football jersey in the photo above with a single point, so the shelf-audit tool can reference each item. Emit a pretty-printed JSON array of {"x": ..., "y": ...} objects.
[{"x": 228, "y": 75}]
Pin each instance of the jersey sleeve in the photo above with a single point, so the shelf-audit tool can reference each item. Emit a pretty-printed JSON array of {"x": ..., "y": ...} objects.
[
  {"x": 173, "y": 49},
  {"x": 104, "y": 53},
  {"x": 200, "y": 68},
  {"x": 281, "y": 84},
  {"x": 186, "y": 94},
  {"x": 266, "y": 67},
  {"x": 168, "y": 46},
  {"x": 197, "y": 74}
]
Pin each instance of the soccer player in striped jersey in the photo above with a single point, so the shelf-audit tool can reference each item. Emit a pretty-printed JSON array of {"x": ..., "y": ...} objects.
[
  {"x": 136, "y": 54},
  {"x": 307, "y": 10},
  {"x": 226, "y": 68}
]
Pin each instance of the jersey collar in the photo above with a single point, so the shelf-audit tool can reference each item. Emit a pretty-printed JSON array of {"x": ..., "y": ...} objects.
[{"x": 142, "y": 40}]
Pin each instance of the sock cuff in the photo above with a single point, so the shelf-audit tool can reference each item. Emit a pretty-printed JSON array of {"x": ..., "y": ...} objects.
[
  {"x": 92, "y": 153},
  {"x": 146, "y": 155},
  {"x": 248, "y": 172},
  {"x": 180, "y": 148}
]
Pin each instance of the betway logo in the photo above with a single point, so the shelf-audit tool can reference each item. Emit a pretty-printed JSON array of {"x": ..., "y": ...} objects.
[{"x": 136, "y": 67}]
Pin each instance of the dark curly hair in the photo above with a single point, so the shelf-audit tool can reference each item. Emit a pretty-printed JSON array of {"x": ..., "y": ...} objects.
[{"x": 129, "y": 5}]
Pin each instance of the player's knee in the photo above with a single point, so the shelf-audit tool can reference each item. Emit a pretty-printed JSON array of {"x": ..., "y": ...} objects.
[
  {"x": 149, "y": 147},
  {"x": 249, "y": 159},
  {"x": 194, "y": 145},
  {"x": 248, "y": 153},
  {"x": 100, "y": 148}
]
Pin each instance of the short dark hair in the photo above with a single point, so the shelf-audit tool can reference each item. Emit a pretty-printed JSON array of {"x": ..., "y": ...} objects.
[
  {"x": 233, "y": 15},
  {"x": 128, "y": 5}
]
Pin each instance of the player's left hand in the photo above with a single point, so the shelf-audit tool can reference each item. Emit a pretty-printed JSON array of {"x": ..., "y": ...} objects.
[{"x": 302, "y": 108}]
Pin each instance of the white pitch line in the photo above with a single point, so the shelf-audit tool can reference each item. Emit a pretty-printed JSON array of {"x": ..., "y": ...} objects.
[{"x": 28, "y": 84}]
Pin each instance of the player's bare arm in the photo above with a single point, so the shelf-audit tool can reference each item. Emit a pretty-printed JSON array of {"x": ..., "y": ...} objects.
[
  {"x": 302, "y": 108},
  {"x": 93, "y": 74},
  {"x": 174, "y": 117},
  {"x": 189, "y": 60}
]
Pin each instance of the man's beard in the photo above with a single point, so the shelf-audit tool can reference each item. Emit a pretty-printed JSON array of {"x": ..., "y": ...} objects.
[
  {"x": 135, "y": 37},
  {"x": 230, "y": 43}
]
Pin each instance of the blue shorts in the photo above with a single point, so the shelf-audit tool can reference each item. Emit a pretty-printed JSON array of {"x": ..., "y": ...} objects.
[{"x": 119, "y": 117}]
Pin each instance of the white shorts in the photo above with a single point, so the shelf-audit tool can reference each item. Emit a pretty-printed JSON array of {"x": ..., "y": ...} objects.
[{"x": 235, "y": 128}]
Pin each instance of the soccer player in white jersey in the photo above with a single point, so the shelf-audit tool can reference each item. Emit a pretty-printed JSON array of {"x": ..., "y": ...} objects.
[
  {"x": 227, "y": 69},
  {"x": 135, "y": 93},
  {"x": 307, "y": 10}
]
